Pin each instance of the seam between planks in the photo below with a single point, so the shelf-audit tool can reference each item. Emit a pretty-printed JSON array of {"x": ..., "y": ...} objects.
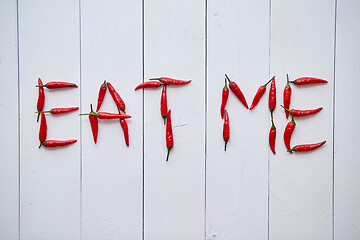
[
  {"x": 205, "y": 110},
  {"x": 80, "y": 102},
  {"x": 18, "y": 98},
  {"x": 143, "y": 116}
]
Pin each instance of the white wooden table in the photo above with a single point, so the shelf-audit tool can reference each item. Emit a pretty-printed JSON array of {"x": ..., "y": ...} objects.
[{"x": 110, "y": 191}]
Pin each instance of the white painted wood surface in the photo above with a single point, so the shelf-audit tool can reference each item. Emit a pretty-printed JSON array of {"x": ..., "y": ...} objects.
[{"x": 110, "y": 191}]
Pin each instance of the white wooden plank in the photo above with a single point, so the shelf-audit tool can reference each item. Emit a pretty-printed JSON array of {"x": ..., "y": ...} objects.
[
  {"x": 346, "y": 135},
  {"x": 112, "y": 172},
  {"x": 175, "y": 190},
  {"x": 9, "y": 141},
  {"x": 237, "y": 180},
  {"x": 49, "y": 178},
  {"x": 302, "y": 44}
]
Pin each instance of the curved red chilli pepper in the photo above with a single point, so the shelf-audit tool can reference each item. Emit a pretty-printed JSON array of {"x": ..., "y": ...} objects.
[
  {"x": 272, "y": 137},
  {"x": 117, "y": 99},
  {"x": 260, "y": 92},
  {"x": 225, "y": 96},
  {"x": 287, "y": 96},
  {"x": 289, "y": 129},
  {"x": 171, "y": 81},
  {"x": 41, "y": 99},
  {"x": 163, "y": 104},
  {"x": 236, "y": 90},
  {"x": 61, "y": 110},
  {"x": 169, "y": 135},
  {"x": 57, "y": 143},
  {"x": 226, "y": 128},
  {"x": 52, "y": 85},
  {"x": 300, "y": 113},
  {"x": 94, "y": 124},
  {"x": 149, "y": 84},
  {"x": 307, "y": 147},
  {"x": 43, "y": 129},
  {"x": 272, "y": 95},
  {"x": 102, "y": 92},
  {"x": 125, "y": 128},
  {"x": 308, "y": 80},
  {"x": 106, "y": 115}
]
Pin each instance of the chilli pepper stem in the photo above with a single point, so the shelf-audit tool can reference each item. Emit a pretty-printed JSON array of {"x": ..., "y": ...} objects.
[
  {"x": 286, "y": 109},
  {"x": 168, "y": 153},
  {"x": 268, "y": 82},
  {"x": 228, "y": 78},
  {"x": 287, "y": 80}
]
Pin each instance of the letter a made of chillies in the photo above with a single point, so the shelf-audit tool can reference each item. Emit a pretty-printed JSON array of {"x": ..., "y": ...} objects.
[
  {"x": 260, "y": 92},
  {"x": 102, "y": 92},
  {"x": 42, "y": 130},
  {"x": 171, "y": 81},
  {"x": 52, "y": 85},
  {"x": 41, "y": 99},
  {"x": 163, "y": 103},
  {"x": 272, "y": 95},
  {"x": 287, "y": 96},
  {"x": 272, "y": 136},
  {"x": 300, "y": 113},
  {"x": 224, "y": 98},
  {"x": 94, "y": 124},
  {"x": 307, "y": 147},
  {"x": 226, "y": 129},
  {"x": 169, "y": 135},
  {"x": 236, "y": 90},
  {"x": 117, "y": 99},
  {"x": 289, "y": 129},
  {"x": 308, "y": 80}
]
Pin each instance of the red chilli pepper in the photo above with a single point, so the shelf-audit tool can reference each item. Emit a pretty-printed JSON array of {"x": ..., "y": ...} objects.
[
  {"x": 149, "y": 84},
  {"x": 169, "y": 135},
  {"x": 300, "y": 113},
  {"x": 117, "y": 99},
  {"x": 61, "y": 110},
  {"x": 289, "y": 129},
  {"x": 43, "y": 129},
  {"x": 272, "y": 95},
  {"x": 163, "y": 104},
  {"x": 52, "y": 85},
  {"x": 171, "y": 81},
  {"x": 272, "y": 136},
  {"x": 225, "y": 96},
  {"x": 94, "y": 124},
  {"x": 125, "y": 128},
  {"x": 226, "y": 128},
  {"x": 260, "y": 92},
  {"x": 57, "y": 143},
  {"x": 102, "y": 92},
  {"x": 307, "y": 147},
  {"x": 41, "y": 99},
  {"x": 287, "y": 96},
  {"x": 308, "y": 80},
  {"x": 236, "y": 90},
  {"x": 106, "y": 115}
]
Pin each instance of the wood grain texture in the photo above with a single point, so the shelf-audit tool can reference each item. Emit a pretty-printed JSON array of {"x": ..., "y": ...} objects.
[
  {"x": 236, "y": 180},
  {"x": 347, "y": 141},
  {"x": 9, "y": 139},
  {"x": 302, "y": 44}
]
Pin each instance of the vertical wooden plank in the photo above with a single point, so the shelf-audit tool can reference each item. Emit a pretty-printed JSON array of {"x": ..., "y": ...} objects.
[
  {"x": 346, "y": 135},
  {"x": 49, "y": 178},
  {"x": 237, "y": 180},
  {"x": 302, "y": 44},
  {"x": 112, "y": 172},
  {"x": 9, "y": 141},
  {"x": 175, "y": 190}
]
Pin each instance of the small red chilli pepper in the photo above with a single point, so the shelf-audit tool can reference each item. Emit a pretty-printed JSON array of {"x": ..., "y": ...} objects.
[
  {"x": 125, "y": 128},
  {"x": 52, "y": 85},
  {"x": 171, "y": 81},
  {"x": 57, "y": 143},
  {"x": 106, "y": 115},
  {"x": 41, "y": 99},
  {"x": 225, "y": 96},
  {"x": 43, "y": 129},
  {"x": 300, "y": 113},
  {"x": 236, "y": 90},
  {"x": 307, "y": 147},
  {"x": 287, "y": 96},
  {"x": 272, "y": 136},
  {"x": 149, "y": 84},
  {"x": 94, "y": 124},
  {"x": 272, "y": 95},
  {"x": 169, "y": 135},
  {"x": 102, "y": 92},
  {"x": 117, "y": 99},
  {"x": 163, "y": 104},
  {"x": 61, "y": 110},
  {"x": 289, "y": 129},
  {"x": 308, "y": 80},
  {"x": 226, "y": 129},
  {"x": 260, "y": 92}
]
